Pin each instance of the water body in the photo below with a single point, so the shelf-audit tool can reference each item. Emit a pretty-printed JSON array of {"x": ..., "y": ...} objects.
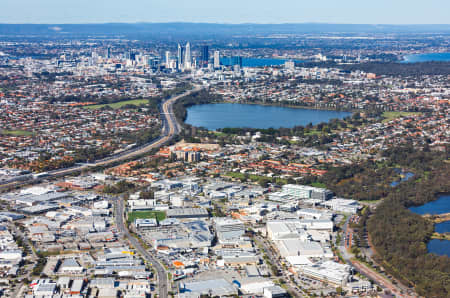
[
  {"x": 442, "y": 227},
  {"x": 221, "y": 115},
  {"x": 426, "y": 57},
  {"x": 439, "y": 247},
  {"x": 406, "y": 177},
  {"x": 440, "y": 206},
  {"x": 256, "y": 62}
]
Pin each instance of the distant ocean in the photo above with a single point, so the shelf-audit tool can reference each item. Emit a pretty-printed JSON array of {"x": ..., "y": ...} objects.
[{"x": 426, "y": 57}]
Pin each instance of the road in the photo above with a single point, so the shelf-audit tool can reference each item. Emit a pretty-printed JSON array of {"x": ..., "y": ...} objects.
[
  {"x": 163, "y": 283},
  {"x": 344, "y": 246},
  {"x": 20, "y": 288},
  {"x": 292, "y": 287},
  {"x": 170, "y": 128}
]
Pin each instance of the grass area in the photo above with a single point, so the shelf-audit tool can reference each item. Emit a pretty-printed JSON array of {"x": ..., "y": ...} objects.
[
  {"x": 17, "y": 133},
  {"x": 370, "y": 201},
  {"x": 218, "y": 133},
  {"x": 118, "y": 105},
  {"x": 313, "y": 132},
  {"x": 318, "y": 184},
  {"x": 388, "y": 116},
  {"x": 159, "y": 215}
]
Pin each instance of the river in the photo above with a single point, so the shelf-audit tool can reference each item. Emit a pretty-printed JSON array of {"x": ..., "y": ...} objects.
[
  {"x": 221, "y": 115},
  {"x": 426, "y": 57}
]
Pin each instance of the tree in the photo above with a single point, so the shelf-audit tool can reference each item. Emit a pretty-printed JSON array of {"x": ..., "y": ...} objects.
[{"x": 146, "y": 195}]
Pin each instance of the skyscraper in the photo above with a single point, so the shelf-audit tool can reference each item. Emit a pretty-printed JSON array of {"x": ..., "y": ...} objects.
[
  {"x": 216, "y": 59},
  {"x": 205, "y": 56},
  {"x": 187, "y": 57},
  {"x": 108, "y": 53},
  {"x": 180, "y": 57},
  {"x": 167, "y": 59}
]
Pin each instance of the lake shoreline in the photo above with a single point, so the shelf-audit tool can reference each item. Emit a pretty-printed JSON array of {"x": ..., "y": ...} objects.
[
  {"x": 282, "y": 105},
  {"x": 223, "y": 114},
  {"x": 428, "y": 210}
]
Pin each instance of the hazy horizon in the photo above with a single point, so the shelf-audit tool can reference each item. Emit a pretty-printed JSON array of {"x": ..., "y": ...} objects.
[
  {"x": 399, "y": 12},
  {"x": 230, "y": 23}
]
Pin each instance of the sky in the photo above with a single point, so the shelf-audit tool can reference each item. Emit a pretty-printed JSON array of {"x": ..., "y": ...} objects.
[{"x": 226, "y": 11}]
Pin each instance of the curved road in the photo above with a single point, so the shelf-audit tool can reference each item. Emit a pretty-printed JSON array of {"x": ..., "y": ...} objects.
[
  {"x": 173, "y": 126},
  {"x": 169, "y": 118},
  {"x": 166, "y": 135}
]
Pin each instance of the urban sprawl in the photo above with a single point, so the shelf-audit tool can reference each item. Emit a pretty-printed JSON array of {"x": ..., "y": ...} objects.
[{"x": 208, "y": 213}]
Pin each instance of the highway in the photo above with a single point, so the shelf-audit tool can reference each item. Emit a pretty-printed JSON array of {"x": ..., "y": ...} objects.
[
  {"x": 163, "y": 283},
  {"x": 169, "y": 129}
]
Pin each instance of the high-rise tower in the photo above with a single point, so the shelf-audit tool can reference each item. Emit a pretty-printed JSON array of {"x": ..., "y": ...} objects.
[
  {"x": 205, "y": 56},
  {"x": 216, "y": 59},
  {"x": 167, "y": 59},
  {"x": 187, "y": 57},
  {"x": 180, "y": 57}
]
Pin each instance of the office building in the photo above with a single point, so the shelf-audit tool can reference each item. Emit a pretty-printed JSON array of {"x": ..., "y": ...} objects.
[
  {"x": 204, "y": 57},
  {"x": 108, "y": 53},
  {"x": 216, "y": 59},
  {"x": 187, "y": 57},
  {"x": 328, "y": 271},
  {"x": 307, "y": 192},
  {"x": 180, "y": 57},
  {"x": 167, "y": 59}
]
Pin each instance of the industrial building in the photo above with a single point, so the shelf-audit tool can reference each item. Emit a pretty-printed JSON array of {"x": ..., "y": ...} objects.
[
  {"x": 187, "y": 213},
  {"x": 228, "y": 229}
]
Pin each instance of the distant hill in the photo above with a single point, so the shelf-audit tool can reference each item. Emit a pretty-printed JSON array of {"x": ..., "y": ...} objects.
[{"x": 208, "y": 29}]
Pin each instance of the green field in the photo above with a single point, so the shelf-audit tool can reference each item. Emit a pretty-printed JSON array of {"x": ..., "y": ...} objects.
[
  {"x": 17, "y": 133},
  {"x": 159, "y": 215},
  {"x": 318, "y": 184},
  {"x": 388, "y": 116},
  {"x": 118, "y": 105}
]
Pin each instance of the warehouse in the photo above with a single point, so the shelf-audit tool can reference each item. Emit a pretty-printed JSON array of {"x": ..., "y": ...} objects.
[
  {"x": 294, "y": 247},
  {"x": 187, "y": 213},
  {"x": 212, "y": 287}
]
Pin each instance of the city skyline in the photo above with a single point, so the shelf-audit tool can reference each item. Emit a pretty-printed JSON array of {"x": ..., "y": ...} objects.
[{"x": 231, "y": 12}]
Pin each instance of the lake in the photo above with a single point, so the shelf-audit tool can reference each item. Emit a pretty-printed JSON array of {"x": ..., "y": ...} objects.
[
  {"x": 441, "y": 205},
  {"x": 256, "y": 62},
  {"x": 221, "y": 115},
  {"x": 426, "y": 57}
]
